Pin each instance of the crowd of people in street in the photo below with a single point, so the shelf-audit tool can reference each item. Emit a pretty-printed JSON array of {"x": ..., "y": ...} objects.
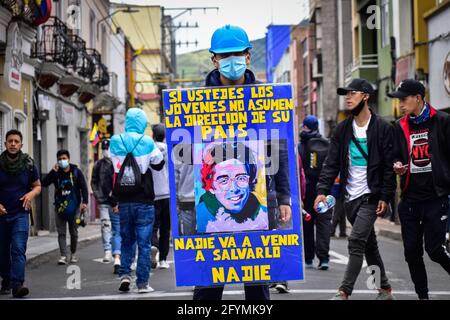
[{"x": 358, "y": 165}]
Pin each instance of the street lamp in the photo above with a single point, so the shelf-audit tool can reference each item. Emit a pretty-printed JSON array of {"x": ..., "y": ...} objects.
[{"x": 124, "y": 10}]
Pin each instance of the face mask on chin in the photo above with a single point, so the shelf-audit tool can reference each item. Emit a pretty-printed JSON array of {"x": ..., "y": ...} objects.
[{"x": 356, "y": 111}]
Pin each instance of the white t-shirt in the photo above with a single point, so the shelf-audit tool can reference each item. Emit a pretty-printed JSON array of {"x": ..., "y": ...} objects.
[{"x": 357, "y": 169}]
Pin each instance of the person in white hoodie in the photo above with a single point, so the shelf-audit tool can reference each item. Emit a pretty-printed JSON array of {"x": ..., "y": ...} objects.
[{"x": 161, "y": 227}]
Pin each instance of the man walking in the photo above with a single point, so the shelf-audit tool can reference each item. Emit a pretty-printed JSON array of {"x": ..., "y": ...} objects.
[
  {"x": 19, "y": 185},
  {"x": 231, "y": 56},
  {"x": 71, "y": 200},
  {"x": 361, "y": 151},
  {"x": 133, "y": 154},
  {"x": 102, "y": 183},
  {"x": 422, "y": 159}
]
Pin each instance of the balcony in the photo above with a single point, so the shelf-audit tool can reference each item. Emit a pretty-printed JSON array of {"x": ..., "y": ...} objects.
[
  {"x": 366, "y": 66},
  {"x": 97, "y": 72},
  {"x": 56, "y": 52}
]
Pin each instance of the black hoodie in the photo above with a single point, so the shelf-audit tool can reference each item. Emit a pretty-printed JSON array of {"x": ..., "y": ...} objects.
[{"x": 54, "y": 178}]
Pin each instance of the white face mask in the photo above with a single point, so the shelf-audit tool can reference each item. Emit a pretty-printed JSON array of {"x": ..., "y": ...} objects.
[
  {"x": 63, "y": 163},
  {"x": 106, "y": 154}
]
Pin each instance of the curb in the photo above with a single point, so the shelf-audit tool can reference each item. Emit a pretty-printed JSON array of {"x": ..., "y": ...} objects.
[
  {"x": 36, "y": 261},
  {"x": 390, "y": 234}
]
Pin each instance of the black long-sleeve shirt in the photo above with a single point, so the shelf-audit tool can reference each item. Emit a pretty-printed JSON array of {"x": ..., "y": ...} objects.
[{"x": 80, "y": 185}]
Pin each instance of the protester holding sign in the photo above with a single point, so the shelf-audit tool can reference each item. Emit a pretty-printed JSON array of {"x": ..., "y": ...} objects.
[
  {"x": 361, "y": 151},
  {"x": 243, "y": 227},
  {"x": 71, "y": 199}
]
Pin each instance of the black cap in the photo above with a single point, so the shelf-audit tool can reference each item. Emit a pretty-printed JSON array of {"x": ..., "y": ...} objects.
[
  {"x": 105, "y": 144},
  {"x": 356, "y": 85},
  {"x": 408, "y": 87}
]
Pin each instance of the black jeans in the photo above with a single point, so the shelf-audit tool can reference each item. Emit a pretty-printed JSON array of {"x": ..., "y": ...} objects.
[
  {"x": 418, "y": 220},
  {"x": 361, "y": 213},
  {"x": 339, "y": 218},
  {"x": 252, "y": 292},
  {"x": 318, "y": 244},
  {"x": 61, "y": 228},
  {"x": 162, "y": 223}
]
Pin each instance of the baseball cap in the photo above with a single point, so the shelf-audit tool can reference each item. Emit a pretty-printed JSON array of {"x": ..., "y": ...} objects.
[
  {"x": 105, "y": 144},
  {"x": 311, "y": 122},
  {"x": 356, "y": 85},
  {"x": 408, "y": 87}
]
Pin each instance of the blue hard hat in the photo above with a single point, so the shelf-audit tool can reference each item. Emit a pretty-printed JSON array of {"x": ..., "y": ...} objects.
[
  {"x": 311, "y": 122},
  {"x": 229, "y": 39}
]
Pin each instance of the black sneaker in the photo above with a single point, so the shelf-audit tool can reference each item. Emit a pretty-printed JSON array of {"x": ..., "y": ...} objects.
[
  {"x": 116, "y": 269},
  {"x": 20, "y": 292},
  {"x": 125, "y": 284},
  {"x": 5, "y": 289}
]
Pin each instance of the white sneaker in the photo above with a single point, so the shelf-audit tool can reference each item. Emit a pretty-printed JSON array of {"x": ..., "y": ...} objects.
[
  {"x": 62, "y": 261},
  {"x": 73, "y": 258},
  {"x": 146, "y": 289},
  {"x": 155, "y": 257},
  {"x": 163, "y": 265},
  {"x": 108, "y": 256}
]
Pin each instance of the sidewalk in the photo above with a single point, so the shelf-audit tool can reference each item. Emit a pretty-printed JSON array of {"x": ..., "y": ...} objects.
[
  {"x": 44, "y": 247},
  {"x": 386, "y": 228}
]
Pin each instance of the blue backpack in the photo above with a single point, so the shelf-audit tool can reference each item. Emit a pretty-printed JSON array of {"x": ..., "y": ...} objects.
[{"x": 66, "y": 202}]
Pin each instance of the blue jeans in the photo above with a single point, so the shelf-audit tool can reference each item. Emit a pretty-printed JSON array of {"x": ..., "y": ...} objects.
[
  {"x": 13, "y": 245},
  {"x": 136, "y": 226},
  {"x": 110, "y": 229}
]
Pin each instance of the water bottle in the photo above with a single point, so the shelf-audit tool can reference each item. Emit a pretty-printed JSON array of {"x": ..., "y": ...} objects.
[{"x": 330, "y": 202}]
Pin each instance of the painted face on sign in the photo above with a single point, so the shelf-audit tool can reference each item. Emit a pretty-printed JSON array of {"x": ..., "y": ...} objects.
[{"x": 231, "y": 185}]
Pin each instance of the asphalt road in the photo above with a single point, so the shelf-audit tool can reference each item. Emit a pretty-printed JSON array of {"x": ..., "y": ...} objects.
[{"x": 50, "y": 281}]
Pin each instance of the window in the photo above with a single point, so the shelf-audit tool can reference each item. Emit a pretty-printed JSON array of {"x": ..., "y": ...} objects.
[
  {"x": 305, "y": 46},
  {"x": 62, "y": 137},
  {"x": 384, "y": 23},
  {"x": 60, "y": 10},
  {"x": 93, "y": 26},
  {"x": 5, "y": 123},
  {"x": 20, "y": 123}
]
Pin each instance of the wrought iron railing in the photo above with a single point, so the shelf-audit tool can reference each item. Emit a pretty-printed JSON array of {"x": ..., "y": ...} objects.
[
  {"x": 54, "y": 44},
  {"x": 101, "y": 75}
]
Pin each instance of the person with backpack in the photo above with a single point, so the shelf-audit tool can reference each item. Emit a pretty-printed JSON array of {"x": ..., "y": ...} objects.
[
  {"x": 422, "y": 160},
  {"x": 19, "y": 185},
  {"x": 313, "y": 149},
  {"x": 102, "y": 184},
  {"x": 361, "y": 152},
  {"x": 161, "y": 227},
  {"x": 134, "y": 155},
  {"x": 71, "y": 200}
]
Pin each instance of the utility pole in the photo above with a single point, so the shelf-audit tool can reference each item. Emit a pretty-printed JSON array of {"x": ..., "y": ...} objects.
[{"x": 168, "y": 29}]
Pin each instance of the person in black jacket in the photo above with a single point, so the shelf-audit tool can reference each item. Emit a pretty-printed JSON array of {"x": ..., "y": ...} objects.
[
  {"x": 231, "y": 57},
  {"x": 67, "y": 178},
  {"x": 318, "y": 242},
  {"x": 361, "y": 151},
  {"x": 102, "y": 183},
  {"x": 422, "y": 159}
]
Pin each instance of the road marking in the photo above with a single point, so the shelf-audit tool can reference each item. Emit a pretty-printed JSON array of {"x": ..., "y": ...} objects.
[
  {"x": 341, "y": 259},
  {"x": 163, "y": 294}
]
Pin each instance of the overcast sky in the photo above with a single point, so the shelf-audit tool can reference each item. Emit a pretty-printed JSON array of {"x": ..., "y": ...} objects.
[{"x": 252, "y": 15}]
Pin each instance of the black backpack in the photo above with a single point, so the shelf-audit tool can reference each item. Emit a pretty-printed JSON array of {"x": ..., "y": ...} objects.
[
  {"x": 313, "y": 156},
  {"x": 129, "y": 179}
]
